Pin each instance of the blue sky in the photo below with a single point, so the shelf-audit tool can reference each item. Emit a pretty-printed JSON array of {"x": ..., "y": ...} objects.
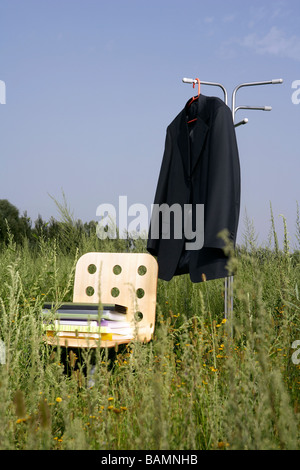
[{"x": 92, "y": 85}]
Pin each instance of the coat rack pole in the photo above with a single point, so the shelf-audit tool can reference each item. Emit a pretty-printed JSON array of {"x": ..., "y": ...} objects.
[{"x": 228, "y": 283}]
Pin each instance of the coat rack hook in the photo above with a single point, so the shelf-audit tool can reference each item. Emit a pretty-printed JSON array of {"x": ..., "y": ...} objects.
[{"x": 192, "y": 80}]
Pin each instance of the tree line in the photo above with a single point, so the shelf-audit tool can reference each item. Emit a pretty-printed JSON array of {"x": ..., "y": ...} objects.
[
  {"x": 20, "y": 227},
  {"x": 68, "y": 234}
]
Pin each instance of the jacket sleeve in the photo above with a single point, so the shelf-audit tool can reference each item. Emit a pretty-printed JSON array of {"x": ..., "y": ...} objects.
[
  {"x": 160, "y": 195},
  {"x": 223, "y": 185}
]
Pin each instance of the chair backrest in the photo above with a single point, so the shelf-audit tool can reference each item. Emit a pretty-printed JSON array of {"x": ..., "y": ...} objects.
[{"x": 128, "y": 279}]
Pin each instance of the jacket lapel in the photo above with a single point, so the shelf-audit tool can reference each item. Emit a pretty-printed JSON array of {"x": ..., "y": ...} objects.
[
  {"x": 191, "y": 138},
  {"x": 197, "y": 140},
  {"x": 183, "y": 143}
]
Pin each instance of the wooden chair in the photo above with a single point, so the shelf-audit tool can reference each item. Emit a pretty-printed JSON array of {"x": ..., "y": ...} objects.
[{"x": 128, "y": 279}]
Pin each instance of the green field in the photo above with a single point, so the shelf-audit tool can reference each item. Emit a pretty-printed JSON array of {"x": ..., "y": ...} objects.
[{"x": 203, "y": 382}]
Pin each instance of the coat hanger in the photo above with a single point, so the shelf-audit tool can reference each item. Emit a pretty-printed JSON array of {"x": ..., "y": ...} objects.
[{"x": 194, "y": 98}]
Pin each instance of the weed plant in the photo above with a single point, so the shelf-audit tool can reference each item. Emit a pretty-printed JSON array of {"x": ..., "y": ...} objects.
[{"x": 205, "y": 382}]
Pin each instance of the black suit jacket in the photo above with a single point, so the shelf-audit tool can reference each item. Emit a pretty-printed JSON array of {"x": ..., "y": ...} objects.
[{"x": 200, "y": 166}]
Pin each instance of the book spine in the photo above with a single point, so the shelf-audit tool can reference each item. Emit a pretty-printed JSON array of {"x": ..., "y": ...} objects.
[
  {"x": 84, "y": 315},
  {"x": 90, "y": 307},
  {"x": 87, "y": 329}
]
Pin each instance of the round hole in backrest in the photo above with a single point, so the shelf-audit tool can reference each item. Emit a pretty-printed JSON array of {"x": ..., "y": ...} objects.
[
  {"x": 92, "y": 268},
  {"x": 115, "y": 292},
  {"x": 138, "y": 316},
  {"x": 117, "y": 269},
  {"x": 142, "y": 270},
  {"x": 89, "y": 291},
  {"x": 140, "y": 293}
]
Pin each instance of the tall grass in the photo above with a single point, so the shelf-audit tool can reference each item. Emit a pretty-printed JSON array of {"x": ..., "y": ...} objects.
[{"x": 203, "y": 382}]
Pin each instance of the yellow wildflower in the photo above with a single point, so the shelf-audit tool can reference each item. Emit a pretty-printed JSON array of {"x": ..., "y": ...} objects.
[{"x": 221, "y": 445}]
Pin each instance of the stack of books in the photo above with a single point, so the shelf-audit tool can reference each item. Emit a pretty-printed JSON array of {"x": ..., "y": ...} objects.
[{"x": 79, "y": 320}]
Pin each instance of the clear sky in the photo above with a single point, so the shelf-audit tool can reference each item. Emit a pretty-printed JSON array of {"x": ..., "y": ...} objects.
[{"x": 91, "y": 86}]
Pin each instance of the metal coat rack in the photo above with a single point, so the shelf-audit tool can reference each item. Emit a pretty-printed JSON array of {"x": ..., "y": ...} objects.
[{"x": 228, "y": 282}]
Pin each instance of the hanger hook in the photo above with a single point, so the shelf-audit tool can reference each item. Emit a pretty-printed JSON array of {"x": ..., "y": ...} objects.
[{"x": 197, "y": 79}]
